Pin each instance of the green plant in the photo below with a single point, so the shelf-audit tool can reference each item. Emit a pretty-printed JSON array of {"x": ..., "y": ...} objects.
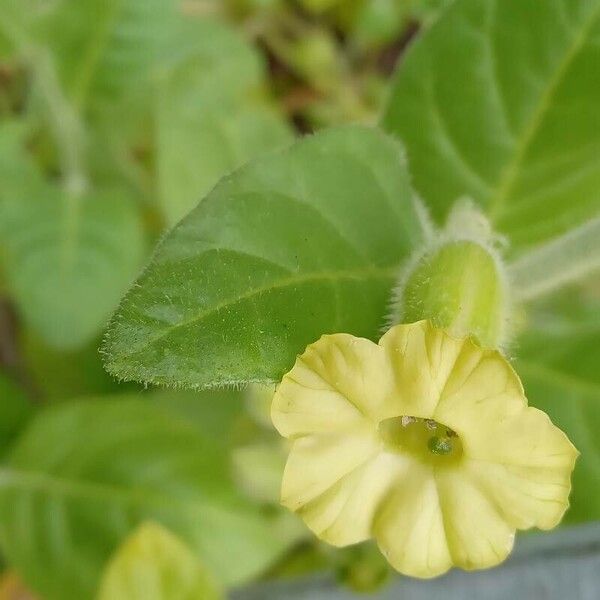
[
  {"x": 128, "y": 124},
  {"x": 311, "y": 240}
]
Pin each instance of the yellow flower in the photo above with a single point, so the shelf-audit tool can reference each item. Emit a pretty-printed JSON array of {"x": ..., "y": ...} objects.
[{"x": 424, "y": 442}]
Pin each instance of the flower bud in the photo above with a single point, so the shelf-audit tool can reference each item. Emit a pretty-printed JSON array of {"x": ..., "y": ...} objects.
[{"x": 458, "y": 284}]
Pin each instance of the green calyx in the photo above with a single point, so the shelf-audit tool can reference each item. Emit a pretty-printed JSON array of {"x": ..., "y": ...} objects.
[{"x": 458, "y": 282}]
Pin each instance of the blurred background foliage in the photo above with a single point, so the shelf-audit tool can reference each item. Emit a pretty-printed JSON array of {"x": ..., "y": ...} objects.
[{"x": 116, "y": 117}]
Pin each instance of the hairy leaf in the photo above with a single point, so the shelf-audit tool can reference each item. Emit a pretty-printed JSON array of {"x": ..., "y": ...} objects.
[
  {"x": 292, "y": 246},
  {"x": 499, "y": 101}
]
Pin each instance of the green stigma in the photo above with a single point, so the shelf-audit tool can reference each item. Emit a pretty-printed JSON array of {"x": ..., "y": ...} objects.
[{"x": 440, "y": 445}]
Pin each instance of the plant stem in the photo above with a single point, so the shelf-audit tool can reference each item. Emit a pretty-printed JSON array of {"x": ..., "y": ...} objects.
[
  {"x": 63, "y": 119},
  {"x": 564, "y": 260}
]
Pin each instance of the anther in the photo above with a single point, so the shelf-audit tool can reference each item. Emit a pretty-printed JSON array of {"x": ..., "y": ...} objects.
[{"x": 406, "y": 420}]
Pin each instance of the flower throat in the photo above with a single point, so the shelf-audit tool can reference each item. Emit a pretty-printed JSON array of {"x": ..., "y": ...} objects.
[{"x": 425, "y": 439}]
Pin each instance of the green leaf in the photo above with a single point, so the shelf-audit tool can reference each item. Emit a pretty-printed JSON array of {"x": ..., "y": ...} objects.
[
  {"x": 558, "y": 361},
  {"x": 220, "y": 66},
  {"x": 288, "y": 248},
  {"x": 499, "y": 101},
  {"x": 53, "y": 376},
  {"x": 84, "y": 475},
  {"x": 15, "y": 411},
  {"x": 107, "y": 50},
  {"x": 124, "y": 60},
  {"x": 207, "y": 125},
  {"x": 216, "y": 413},
  {"x": 202, "y": 116},
  {"x": 565, "y": 259},
  {"x": 426, "y": 11},
  {"x": 68, "y": 258},
  {"x": 153, "y": 564},
  {"x": 102, "y": 48},
  {"x": 68, "y": 262},
  {"x": 258, "y": 470}
]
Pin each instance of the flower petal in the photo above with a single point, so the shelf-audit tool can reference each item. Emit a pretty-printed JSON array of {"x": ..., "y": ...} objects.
[
  {"x": 339, "y": 381},
  {"x": 482, "y": 388},
  {"x": 318, "y": 462},
  {"x": 477, "y": 534},
  {"x": 410, "y": 529},
  {"x": 422, "y": 358},
  {"x": 525, "y": 462},
  {"x": 451, "y": 380},
  {"x": 344, "y": 514}
]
